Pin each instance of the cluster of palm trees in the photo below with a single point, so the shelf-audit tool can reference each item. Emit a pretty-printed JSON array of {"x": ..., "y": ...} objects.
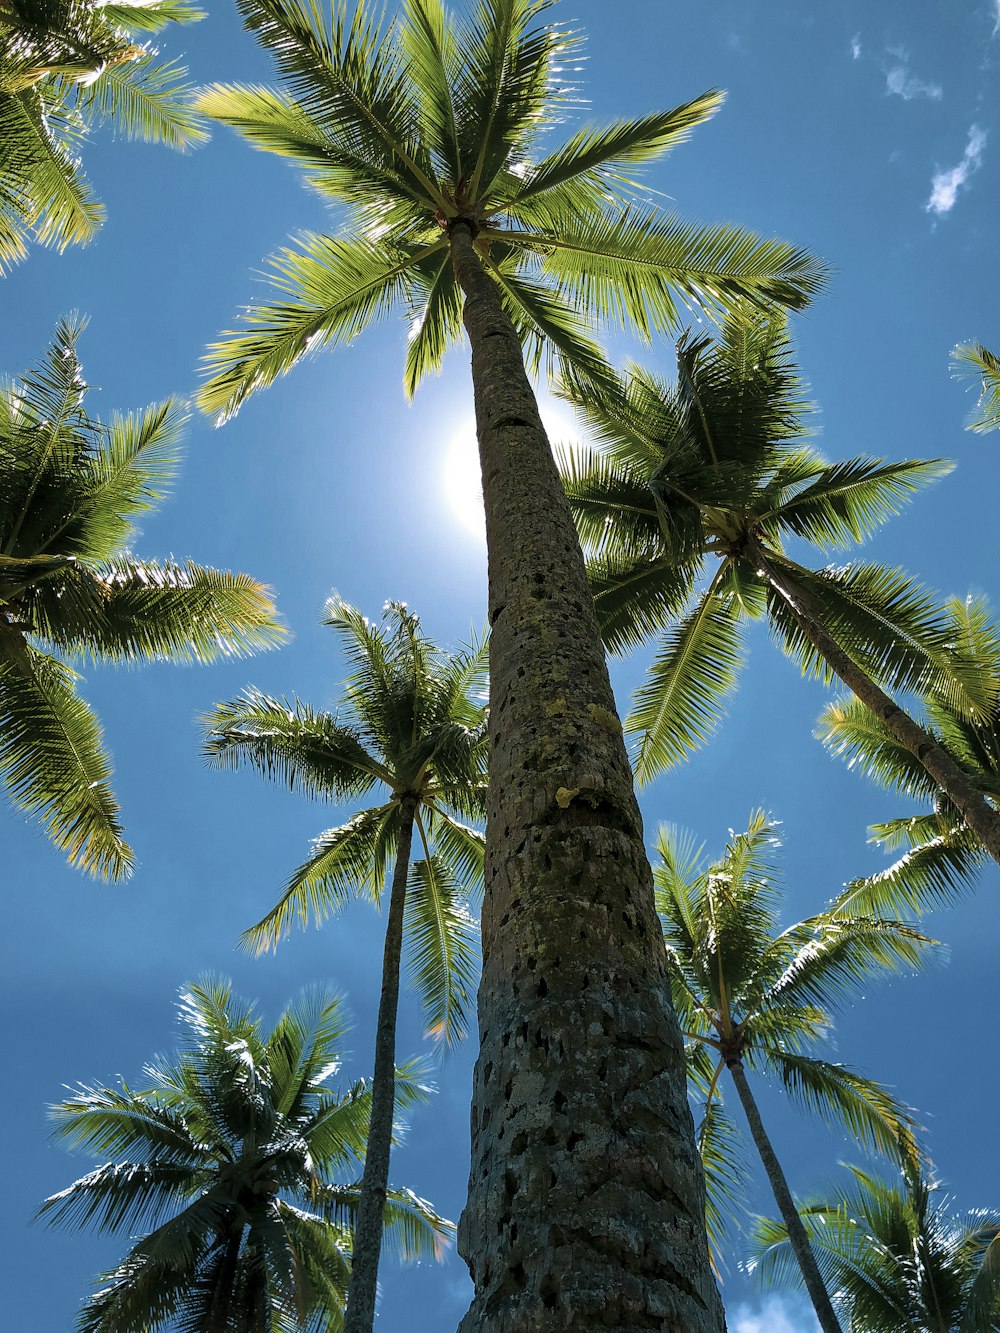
[{"x": 603, "y": 996}]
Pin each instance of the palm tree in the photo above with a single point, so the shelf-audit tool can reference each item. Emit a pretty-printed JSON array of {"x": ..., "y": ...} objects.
[
  {"x": 899, "y": 1259},
  {"x": 232, "y": 1153},
  {"x": 751, "y": 997},
  {"x": 943, "y": 856},
  {"x": 410, "y": 728},
  {"x": 715, "y": 470},
  {"x": 429, "y": 135},
  {"x": 71, "y": 487},
  {"x": 65, "y": 65},
  {"x": 984, "y": 365}
]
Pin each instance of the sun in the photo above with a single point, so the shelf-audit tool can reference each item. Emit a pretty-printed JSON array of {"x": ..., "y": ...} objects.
[{"x": 461, "y": 481}]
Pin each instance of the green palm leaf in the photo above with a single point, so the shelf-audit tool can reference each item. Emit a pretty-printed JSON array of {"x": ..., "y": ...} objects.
[
  {"x": 443, "y": 946},
  {"x": 980, "y": 363}
]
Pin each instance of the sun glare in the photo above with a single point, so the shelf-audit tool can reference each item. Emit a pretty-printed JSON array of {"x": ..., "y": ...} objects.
[{"x": 461, "y": 465}]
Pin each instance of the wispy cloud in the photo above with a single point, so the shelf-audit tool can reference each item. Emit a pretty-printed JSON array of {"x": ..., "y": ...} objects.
[
  {"x": 996, "y": 17},
  {"x": 946, "y": 184},
  {"x": 899, "y": 82},
  {"x": 856, "y": 43},
  {"x": 775, "y": 1315}
]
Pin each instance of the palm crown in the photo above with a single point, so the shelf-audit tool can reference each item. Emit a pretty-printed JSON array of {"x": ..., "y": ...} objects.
[
  {"x": 748, "y": 993},
  {"x": 440, "y": 119},
  {"x": 687, "y": 506},
  {"x": 897, "y": 1256},
  {"x": 71, "y": 488},
  {"x": 65, "y": 64},
  {"x": 410, "y": 725},
  {"x": 235, "y": 1152},
  {"x": 942, "y": 855}
]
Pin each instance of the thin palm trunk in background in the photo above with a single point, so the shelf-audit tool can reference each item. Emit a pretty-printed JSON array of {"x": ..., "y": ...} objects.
[
  {"x": 797, "y": 1236},
  {"x": 586, "y": 1202},
  {"x": 360, "y": 1313},
  {"x": 960, "y": 789}
]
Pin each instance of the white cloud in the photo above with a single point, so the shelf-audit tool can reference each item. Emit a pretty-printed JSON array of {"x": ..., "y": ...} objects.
[
  {"x": 946, "y": 184},
  {"x": 856, "y": 43},
  {"x": 899, "y": 82},
  {"x": 996, "y": 21},
  {"x": 775, "y": 1315}
]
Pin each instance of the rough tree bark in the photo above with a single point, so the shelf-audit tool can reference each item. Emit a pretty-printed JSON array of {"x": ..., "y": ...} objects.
[
  {"x": 797, "y": 1237},
  {"x": 979, "y": 815},
  {"x": 360, "y": 1313},
  {"x": 586, "y": 1200}
]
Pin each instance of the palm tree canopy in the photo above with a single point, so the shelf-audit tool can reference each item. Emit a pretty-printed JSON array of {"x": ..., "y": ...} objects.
[
  {"x": 71, "y": 488},
  {"x": 747, "y": 991},
  {"x": 232, "y": 1158},
  {"x": 412, "y": 723},
  {"x": 896, "y": 1256},
  {"x": 65, "y": 65},
  {"x": 980, "y": 363},
  {"x": 689, "y": 484},
  {"x": 942, "y": 856},
  {"x": 437, "y": 118}
]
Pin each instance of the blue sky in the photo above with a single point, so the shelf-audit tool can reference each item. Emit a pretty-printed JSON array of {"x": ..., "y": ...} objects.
[{"x": 868, "y": 134}]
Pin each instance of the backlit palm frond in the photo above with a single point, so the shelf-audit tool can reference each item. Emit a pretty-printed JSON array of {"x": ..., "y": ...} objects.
[
  {"x": 322, "y": 1250},
  {"x": 442, "y": 947},
  {"x": 853, "y": 733},
  {"x": 427, "y": 38},
  {"x": 54, "y": 766},
  {"x": 936, "y": 872},
  {"x": 726, "y": 1171},
  {"x": 684, "y": 696},
  {"x": 347, "y": 861},
  {"x": 435, "y": 326},
  {"x": 597, "y": 160},
  {"x": 120, "y": 1121},
  {"x": 507, "y": 91},
  {"x": 460, "y": 847},
  {"x": 180, "y": 613},
  {"x": 290, "y": 742},
  {"x": 639, "y": 269},
  {"x": 303, "y": 1049},
  {"x": 635, "y": 598},
  {"x": 894, "y": 628},
  {"x": 145, "y": 98},
  {"x": 151, "y": 15},
  {"x": 978, "y": 362},
  {"x": 611, "y": 502},
  {"x": 865, "y": 1108},
  {"x": 330, "y": 289},
  {"x": 850, "y": 500},
  {"x": 414, "y": 1228},
  {"x": 125, "y": 1194}
]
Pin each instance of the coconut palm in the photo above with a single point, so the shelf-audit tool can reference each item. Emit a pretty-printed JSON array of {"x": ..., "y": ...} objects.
[
  {"x": 984, "y": 365},
  {"x": 71, "y": 487},
  {"x": 755, "y": 999},
  {"x": 66, "y": 65},
  {"x": 411, "y": 729},
  {"x": 897, "y": 1257},
  {"x": 235, "y": 1153},
  {"x": 687, "y": 504},
  {"x": 431, "y": 136},
  {"x": 942, "y": 855}
]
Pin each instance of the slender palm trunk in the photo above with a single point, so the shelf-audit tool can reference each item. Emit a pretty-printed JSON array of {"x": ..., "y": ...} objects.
[
  {"x": 797, "y": 1237},
  {"x": 960, "y": 789},
  {"x": 586, "y": 1201},
  {"x": 360, "y": 1313}
]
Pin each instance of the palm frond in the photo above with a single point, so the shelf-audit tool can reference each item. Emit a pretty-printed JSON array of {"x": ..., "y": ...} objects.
[
  {"x": 684, "y": 696},
  {"x": 442, "y": 946},
  {"x": 54, "y": 765},
  {"x": 978, "y": 362}
]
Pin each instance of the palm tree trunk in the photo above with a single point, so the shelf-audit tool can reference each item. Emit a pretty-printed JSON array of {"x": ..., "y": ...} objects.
[
  {"x": 797, "y": 1237},
  {"x": 360, "y": 1313},
  {"x": 963, "y": 793},
  {"x": 586, "y": 1201}
]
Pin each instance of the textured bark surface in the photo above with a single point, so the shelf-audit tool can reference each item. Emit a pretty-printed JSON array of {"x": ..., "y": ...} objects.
[
  {"x": 963, "y": 793},
  {"x": 797, "y": 1237},
  {"x": 586, "y": 1203},
  {"x": 360, "y": 1313}
]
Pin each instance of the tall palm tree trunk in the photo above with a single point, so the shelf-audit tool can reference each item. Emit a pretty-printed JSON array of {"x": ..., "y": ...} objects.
[
  {"x": 963, "y": 793},
  {"x": 797, "y": 1237},
  {"x": 360, "y": 1313},
  {"x": 586, "y": 1202}
]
